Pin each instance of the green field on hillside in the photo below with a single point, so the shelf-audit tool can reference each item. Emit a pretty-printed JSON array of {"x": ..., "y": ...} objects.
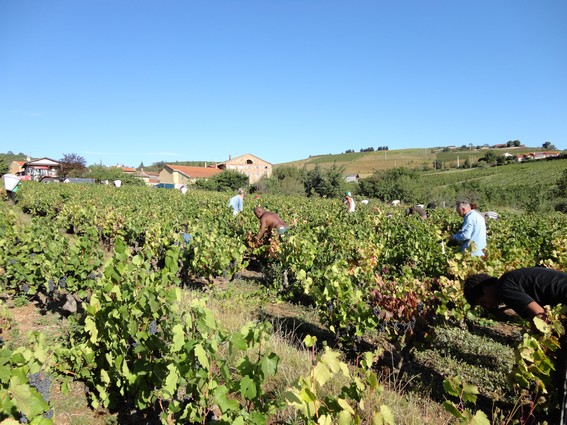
[
  {"x": 528, "y": 174},
  {"x": 365, "y": 163},
  {"x": 519, "y": 186}
]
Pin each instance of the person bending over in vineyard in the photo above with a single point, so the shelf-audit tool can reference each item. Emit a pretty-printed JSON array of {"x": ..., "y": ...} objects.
[
  {"x": 418, "y": 210},
  {"x": 525, "y": 291},
  {"x": 349, "y": 202},
  {"x": 269, "y": 221},
  {"x": 473, "y": 229}
]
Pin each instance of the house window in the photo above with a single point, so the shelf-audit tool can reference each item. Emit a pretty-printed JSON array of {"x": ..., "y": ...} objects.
[{"x": 249, "y": 161}]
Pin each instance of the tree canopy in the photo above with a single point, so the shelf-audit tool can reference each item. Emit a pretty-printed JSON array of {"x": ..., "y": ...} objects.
[
  {"x": 284, "y": 180},
  {"x": 228, "y": 180},
  {"x": 4, "y": 166},
  {"x": 388, "y": 185},
  {"x": 73, "y": 165},
  {"x": 327, "y": 182},
  {"x": 100, "y": 173}
]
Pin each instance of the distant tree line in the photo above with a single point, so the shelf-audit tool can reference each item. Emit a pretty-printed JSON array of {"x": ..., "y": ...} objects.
[
  {"x": 7, "y": 158},
  {"x": 369, "y": 149},
  {"x": 508, "y": 144}
]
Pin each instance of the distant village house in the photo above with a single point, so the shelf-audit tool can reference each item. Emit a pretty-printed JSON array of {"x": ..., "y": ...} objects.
[
  {"x": 35, "y": 169},
  {"x": 536, "y": 155},
  {"x": 16, "y": 168},
  {"x": 151, "y": 178}
]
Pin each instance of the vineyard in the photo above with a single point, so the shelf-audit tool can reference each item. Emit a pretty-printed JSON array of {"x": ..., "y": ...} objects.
[{"x": 119, "y": 263}]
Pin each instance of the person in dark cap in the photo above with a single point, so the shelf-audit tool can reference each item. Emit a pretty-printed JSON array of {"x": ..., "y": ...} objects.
[{"x": 526, "y": 291}]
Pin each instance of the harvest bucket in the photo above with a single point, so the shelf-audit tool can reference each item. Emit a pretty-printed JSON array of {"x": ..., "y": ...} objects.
[
  {"x": 117, "y": 183},
  {"x": 10, "y": 182}
]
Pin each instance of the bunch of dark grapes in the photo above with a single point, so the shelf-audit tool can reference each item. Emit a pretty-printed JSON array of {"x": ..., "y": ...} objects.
[
  {"x": 420, "y": 307},
  {"x": 63, "y": 282},
  {"x": 25, "y": 288},
  {"x": 132, "y": 343},
  {"x": 42, "y": 383},
  {"x": 153, "y": 327},
  {"x": 50, "y": 285}
]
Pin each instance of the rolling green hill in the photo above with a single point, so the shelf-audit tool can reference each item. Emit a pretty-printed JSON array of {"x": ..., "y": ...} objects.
[
  {"x": 517, "y": 186},
  {"x": 364, "y": 163}
]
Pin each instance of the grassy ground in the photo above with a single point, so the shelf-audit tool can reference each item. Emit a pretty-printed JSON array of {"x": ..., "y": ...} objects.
[
  {"x": 413, "y": 389},
  {"x": 234, "y": 304}
]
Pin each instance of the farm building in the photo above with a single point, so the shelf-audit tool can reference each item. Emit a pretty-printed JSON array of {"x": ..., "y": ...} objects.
[
  {"x": 255, "y": 168},
  {"x": 180, "y": 175}
]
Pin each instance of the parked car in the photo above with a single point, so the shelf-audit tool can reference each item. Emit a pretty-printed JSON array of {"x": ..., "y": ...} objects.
[
  {"x": 165, "y": 186},
  {"x": 49, "y": 179}
]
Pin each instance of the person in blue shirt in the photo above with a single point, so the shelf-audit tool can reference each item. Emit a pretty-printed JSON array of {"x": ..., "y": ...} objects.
[
  {"x": 237, "y": 202},
  {"x": 473, "y": 230}
]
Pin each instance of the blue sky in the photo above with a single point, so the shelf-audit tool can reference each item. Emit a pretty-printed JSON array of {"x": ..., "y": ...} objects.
[{"x": 126, "y": 81}]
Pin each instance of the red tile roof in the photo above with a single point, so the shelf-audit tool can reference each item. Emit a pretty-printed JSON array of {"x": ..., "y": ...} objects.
[{"x": 195, "y": 172}]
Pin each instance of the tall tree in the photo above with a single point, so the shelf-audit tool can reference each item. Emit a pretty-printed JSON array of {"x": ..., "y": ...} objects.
[
  {"x": 100, "y": 173},
  {"x": 229, "y": 180},
  {"x": 285, "y": 180},
  {"x": 3, "y": 165},
  {"x": 73, "y": 165},
  {"x": 388, "y": 185},
  {"x": 327, "y": 183}
]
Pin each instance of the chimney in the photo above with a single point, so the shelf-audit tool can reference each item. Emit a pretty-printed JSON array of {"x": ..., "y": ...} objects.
[{"x": 229, "y": 157}]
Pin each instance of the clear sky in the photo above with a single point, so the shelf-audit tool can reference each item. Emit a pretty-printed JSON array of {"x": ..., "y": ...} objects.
[{"x": 126, "y": 81}]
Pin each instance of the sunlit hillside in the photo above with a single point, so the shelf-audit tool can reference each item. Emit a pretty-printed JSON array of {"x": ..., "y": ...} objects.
[{"x": 364, "y": 163}]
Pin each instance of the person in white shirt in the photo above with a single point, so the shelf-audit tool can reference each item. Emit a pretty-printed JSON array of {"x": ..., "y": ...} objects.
[
  {"x": 237, "y": 202},
  {"x": 349, "y": 202}
]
